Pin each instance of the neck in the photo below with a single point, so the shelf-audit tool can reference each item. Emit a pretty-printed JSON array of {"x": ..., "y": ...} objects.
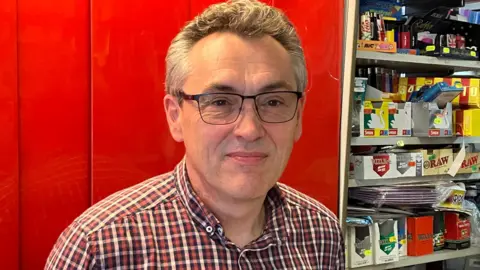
[{"x": 243, "y": 221}]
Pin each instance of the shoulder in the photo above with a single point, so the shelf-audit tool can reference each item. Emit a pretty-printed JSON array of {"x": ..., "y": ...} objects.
[
  {"x": 309, "y": 206},
  {"x": 127, "y": 202}
]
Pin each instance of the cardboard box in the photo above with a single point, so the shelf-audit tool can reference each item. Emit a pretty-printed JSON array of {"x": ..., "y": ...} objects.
[
  {"x": 360, "y": 246},
  {"x": 437, "y": 162},
  {"x": 470, "y": 98},
  {"x": 400, "y": 119},
  {"x": 471, "y": 122},
  {"x": 409, "y": 164},
  {"x": 377, "y": 166},
  {"x": 420, "y": 236},
  {"x": 377, "y": 46},
  {"x": 457, "y": 231},
  {"x": 402, "y": 236},
  {"x": 431, "y": 121},
  {"x": 385, "y": 241},
  {"x": 471, "y": 163},
  {"x": 374, "y": 119}
]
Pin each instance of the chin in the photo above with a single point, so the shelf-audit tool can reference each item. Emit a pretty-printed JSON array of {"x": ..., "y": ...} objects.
[{"x": 249, "y": 186}]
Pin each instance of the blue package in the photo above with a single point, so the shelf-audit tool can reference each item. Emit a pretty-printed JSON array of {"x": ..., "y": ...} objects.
[
  {"x": 433, "y": 92},
  {"x": 387, "y": 8},
  {"x": 441, "y": 93}
]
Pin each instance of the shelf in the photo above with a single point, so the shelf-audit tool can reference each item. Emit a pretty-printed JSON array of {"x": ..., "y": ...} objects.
[
  {"x": 412, "y": 180},
  {"x": 359, "y": 141},
  {"x": 406, "y": 62},
  {"x": 435, "y": 257}
]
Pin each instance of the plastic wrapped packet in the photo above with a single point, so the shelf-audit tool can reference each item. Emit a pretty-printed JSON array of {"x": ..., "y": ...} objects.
[
  {"x": 474, "y": 221},
  {"x": 359, "y": 221},
  {"x": 450, "y": 195}
]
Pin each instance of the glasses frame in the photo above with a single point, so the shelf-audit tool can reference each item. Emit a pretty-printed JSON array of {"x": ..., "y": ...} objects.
[{"x": 254, "y": 97}]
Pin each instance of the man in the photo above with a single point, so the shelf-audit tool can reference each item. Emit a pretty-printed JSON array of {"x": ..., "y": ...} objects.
[{"x": 235, "y": 81}]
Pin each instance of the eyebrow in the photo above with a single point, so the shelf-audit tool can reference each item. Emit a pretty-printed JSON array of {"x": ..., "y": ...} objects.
[{"x": 218, "y": 87}]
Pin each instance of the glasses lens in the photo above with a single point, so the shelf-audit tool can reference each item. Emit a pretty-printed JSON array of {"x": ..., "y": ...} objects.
[
  {"x": 220, "y": 109},
  {"x": 277, "y": 107}
]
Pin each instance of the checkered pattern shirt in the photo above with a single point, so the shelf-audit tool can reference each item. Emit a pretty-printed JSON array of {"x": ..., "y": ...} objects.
[{"x": 161, "y": 224}]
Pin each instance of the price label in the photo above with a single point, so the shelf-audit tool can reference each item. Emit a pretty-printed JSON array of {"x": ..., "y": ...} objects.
[{"x": 446, "y": 50}]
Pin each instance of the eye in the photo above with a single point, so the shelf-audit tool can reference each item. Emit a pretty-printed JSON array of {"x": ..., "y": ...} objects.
[
  {"x": 220, "y": 102},
  {"x": 274, "y": 102}
]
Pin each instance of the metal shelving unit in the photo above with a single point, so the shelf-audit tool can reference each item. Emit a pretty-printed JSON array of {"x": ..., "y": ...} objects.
[
  {"x": 414, "y": 62},
  {"x": 359, "y": 141},
  {"x": 435, "y": 257},
  {"x": 413, "y": 180}
]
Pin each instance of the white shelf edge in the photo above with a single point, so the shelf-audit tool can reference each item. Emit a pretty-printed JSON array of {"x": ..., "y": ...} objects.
[
  {"x": 411, "y": 180},
  {"x": 362, "y": 141},
  {"x": 392, "y": 58},
  {"x": 435, "y": 257}
]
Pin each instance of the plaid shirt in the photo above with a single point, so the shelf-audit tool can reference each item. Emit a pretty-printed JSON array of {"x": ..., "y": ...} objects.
[{"x": 161, "y": 224}]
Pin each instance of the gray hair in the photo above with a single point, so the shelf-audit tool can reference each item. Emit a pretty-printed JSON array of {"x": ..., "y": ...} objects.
[{"x": 248, "y": 18}]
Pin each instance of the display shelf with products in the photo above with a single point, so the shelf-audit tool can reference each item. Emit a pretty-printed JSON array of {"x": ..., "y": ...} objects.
[
  {"x": 414, "y": 110},
  {"x": 361, "y": 141},
  {"x": 435, "y": 257},
  {"x": 413, "y": 180}
]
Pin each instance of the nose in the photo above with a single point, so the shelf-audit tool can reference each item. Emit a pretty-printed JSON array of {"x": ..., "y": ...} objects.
[{"x": 248, "y": 125}]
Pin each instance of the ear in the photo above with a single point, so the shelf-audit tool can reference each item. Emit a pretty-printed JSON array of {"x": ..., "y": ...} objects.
[
  {"x": 298, "y": 129},
  {"x": 174, "y": 117}
]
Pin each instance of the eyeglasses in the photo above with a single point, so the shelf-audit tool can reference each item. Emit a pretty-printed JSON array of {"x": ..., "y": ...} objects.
[{"x": 224, "y": 108}]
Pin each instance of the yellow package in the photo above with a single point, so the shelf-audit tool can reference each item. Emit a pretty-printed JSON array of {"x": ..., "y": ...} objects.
[
  {"x": 470, "y": 98},
  {"x": 471, "y": 122},
  {"x": 374, "y": 119}
]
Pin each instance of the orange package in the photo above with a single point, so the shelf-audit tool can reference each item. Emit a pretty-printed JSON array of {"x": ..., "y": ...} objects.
[{"x": 420, "y": 236}]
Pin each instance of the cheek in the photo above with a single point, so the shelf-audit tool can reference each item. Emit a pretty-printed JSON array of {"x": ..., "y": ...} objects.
[
  {"x": 282, "y": 136},
  {"x": 203, "y": 137}
]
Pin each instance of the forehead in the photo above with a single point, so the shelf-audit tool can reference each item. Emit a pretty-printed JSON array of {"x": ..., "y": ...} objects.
[{"x": 246, "y": 64}]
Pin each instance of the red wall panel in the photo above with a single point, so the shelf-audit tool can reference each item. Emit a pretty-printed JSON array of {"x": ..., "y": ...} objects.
[
  {"x": 131, "y": 141},
  {"x": 54, "y": 87},
  {"x": 8, "y": 136},
  {"x": 314, "y": 165}
]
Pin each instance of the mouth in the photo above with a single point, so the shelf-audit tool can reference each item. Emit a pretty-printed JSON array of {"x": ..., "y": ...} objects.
[{"x": 247, "y": 158}]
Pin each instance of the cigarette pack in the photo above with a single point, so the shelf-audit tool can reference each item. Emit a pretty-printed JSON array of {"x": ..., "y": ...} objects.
[
  {"x": 385, "y": 241},
  {"x": 360, "y": 246}
]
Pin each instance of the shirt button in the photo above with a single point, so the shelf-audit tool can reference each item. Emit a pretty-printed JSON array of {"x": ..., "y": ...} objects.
[
  {"x": 209, "y": 229},
  {"x": 220, "y": 230}
]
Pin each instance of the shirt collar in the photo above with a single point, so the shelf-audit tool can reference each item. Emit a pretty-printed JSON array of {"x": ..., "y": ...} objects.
[{"x": 278, "y": 214}]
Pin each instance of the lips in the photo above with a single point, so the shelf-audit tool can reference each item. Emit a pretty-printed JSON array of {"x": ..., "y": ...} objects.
[{"x": 247, "y": 158}]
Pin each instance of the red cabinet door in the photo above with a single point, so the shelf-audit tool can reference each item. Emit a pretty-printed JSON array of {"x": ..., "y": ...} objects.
[
  {"x": 314, "y": 164},
  {"x": 54, "y": 99},
  {"x": 8, "y": 136},
  {"x": 130, "y": 139}
]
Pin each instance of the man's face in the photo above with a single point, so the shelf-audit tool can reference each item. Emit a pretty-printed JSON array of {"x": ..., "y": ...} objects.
[{"x": 244, "y": 159}]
